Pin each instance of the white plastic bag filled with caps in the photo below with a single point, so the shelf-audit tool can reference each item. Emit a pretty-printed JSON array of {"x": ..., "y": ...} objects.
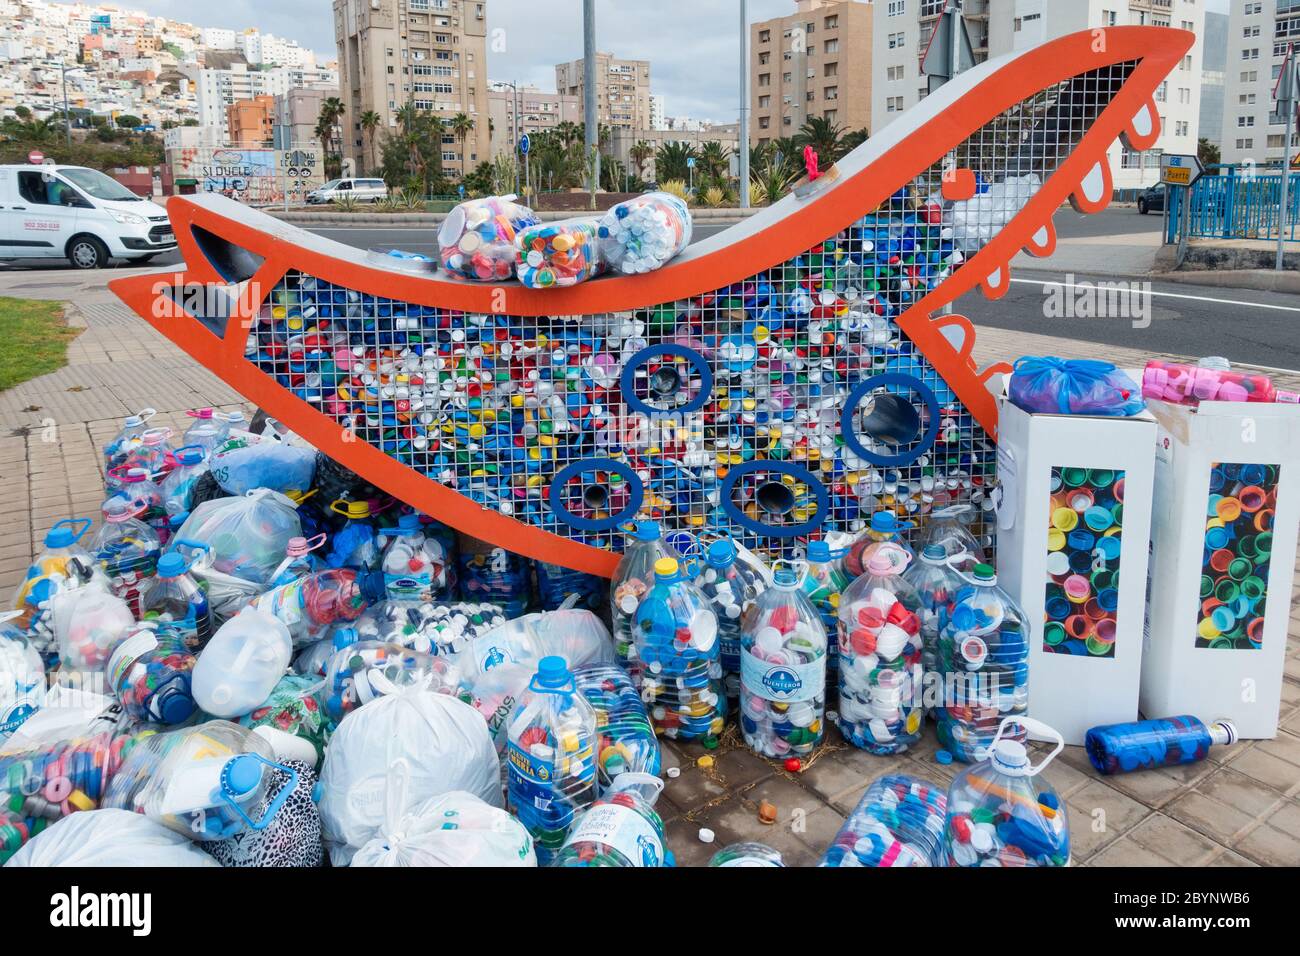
[
  {"x": 454, "y": 829},
  {"x": 368, "y": 670},
  {"x": 897, "y": 823},
  {"x": 89, "y": 623},
  {"x": 444, "y": 743},
  {"x": 247, "y": 536},
  {"x": 1002, "y": 812},
  {"x": 109, "y": 837},
  {"x": 22, "y": 677},
  {"x": 477, "y": 239},
  {"x": 881, "y": 682},
  {"x": 783, "y": 668},
  {"x": 983, "y": 660},
  {"x": 642, "y": 234}
]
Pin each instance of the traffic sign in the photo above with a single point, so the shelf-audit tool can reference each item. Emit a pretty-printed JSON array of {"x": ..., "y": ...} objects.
[
  {"x": 690, "y": 162},
  {"x": 36, "y": 157},
  {"x": 1180, "y": 170},
  {"x": 524, "y": 144}
]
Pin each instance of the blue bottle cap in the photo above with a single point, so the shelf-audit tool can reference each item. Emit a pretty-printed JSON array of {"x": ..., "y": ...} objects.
[
  {"x": 646, "y": 531},
  {"x": 819, "y": 551},
  {"x": 886, "y": 522},
  {"x": 175, "y": 705},
  {"x": 553, "y": 671},
  {"x": 943, "y": 757},
  {"x": 171, "y": 565},
  {"x": 62, "y": 535},
  {"x": 345, "y": 637},
  {"x": 935, "y": 552},
  {"x": 408, "y": 524},
  {"x": 721, "y": 554},
  {"x": 241, "y": 775}
]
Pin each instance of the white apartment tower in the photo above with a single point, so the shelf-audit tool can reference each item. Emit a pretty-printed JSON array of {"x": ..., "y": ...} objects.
[{"x": 1259, "y": 33}]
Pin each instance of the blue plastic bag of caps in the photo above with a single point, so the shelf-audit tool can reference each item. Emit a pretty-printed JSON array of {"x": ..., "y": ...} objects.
[
  {"x": 898, "y": 822},
  {"x": 1049, "y": 385},
  {"x": 239, "y": 466},
  {"x": 627, "y": 740},
  {"x": 491, "y": 575}
]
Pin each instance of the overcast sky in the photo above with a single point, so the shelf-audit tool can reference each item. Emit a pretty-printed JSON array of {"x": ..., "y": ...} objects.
[{"x": 691, "y": 44}]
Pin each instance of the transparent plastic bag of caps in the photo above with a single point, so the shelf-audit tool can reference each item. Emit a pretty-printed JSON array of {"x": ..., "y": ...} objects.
[
  {"x": 677, "y": 644},
  {"x": 631, "y": 582},
  {"x": 881, "y": 681},
  {"x": 783, "y": 668},
  {"x": 205, "y": 781},
  {"x": 551, "y": 756},
  {"x": 430, "y": 628},
  {"x": 313, "y": 603},
  {"x": 627, "y": 739},
  {"x": 731, "y": 577},
  {"x": 109, "y": 838},
  {"x": 621, "y": 829},
  {"x": 150, "y": 674},
  {"x": 89, "y": 623},
  {"x": 642, "y": 234},
  {"x": 368, "y": 670},
  {"x": 247, "y": 535},
  {"x": 492, "y": 575},
  {"x": 898, "y": 822},
  {"x": 292, "y": 720},
  {"x": 937, "y": 584},
  {"x": 444, "y": 743},
  {"x": 22, "y": 677},
  {"x": 983, "y": 666},
  {"x": 558, "y": 254},
  {"x": 1001, "y": 812},
  {"x": 747, "y": 854},
  {"x": 454, "y": 829},
  {"x": 477, "y": 239}
]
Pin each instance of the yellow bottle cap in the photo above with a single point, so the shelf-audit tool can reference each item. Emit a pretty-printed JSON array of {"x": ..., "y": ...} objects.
[{"x": 666, "y": 566}]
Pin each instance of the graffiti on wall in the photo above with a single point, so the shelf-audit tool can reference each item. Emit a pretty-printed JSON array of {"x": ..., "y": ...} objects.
[{"x": 258, "y": 177}]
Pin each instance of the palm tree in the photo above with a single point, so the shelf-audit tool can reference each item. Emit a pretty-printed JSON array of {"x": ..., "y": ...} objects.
[
  {"x": 823, "y": 135},
  {"x": 324, "y": 132},
  {"x": 640, "y": 153},
  {"x": 462, "y": 125},
  {"x": 670, "y": 161},
  {"x": 370, "y": 121},
  {"x": 853, "y": 140},
  {"x": 714, "y": 159},
  {"x": 569, "y": 133}
]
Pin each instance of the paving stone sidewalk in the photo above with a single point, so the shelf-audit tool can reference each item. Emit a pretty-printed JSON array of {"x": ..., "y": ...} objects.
[{"x": 1241, "y": 807}]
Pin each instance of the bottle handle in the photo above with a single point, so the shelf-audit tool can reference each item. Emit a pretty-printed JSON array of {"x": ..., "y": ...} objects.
[
  {"x": 186, "y": 544},
  {"x": 85, "y": 524},
  {"x": 275, "y": 805},
  {"x": 1029, "y": 723}
]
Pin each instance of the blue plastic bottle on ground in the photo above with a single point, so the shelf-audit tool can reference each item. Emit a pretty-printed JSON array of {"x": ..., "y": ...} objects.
[{"x": 1165, "y": 742}]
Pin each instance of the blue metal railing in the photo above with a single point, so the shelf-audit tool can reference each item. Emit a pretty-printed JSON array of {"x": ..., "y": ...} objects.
[{"x": 1237, "y": 202}]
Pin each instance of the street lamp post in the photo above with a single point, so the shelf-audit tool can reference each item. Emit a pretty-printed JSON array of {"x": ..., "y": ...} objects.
[
  {"x": 67, "y": 122},
  {"x": 743, "y": 187},
  {"x": 589, "y": 93}
]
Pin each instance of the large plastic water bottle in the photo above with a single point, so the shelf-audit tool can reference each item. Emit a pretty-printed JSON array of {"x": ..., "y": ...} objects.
[
  {"x": 884, "y": 527},
  {"x": 677, "y": 647},
  {"x": 621, "y": 828},
  {"x": 551, "y": 756},
  {"x": 61, "y": 564},
  {"x": 178, "y": 487},
  {"x": 783, "y": 669},
  {"x": 627, "y": 739},
  {"x": 127, "y": 549},
  {"x": 137, "y": 485},
  {"x": 983, "y": 666},
  {"x": 937, "y": 585},
  {"x": 205, "y": 431},
  {"x": 241, "y": 664},
  {"x": 1001, "y": 813},
  {"x": 731, "y": 586},
  {"x": 631, "y": 582},
  {"x": 202, "y": 781},
  {"x": 298, "y": 560},
  {"x": 309, "y": 605},
  {"x": 824, "y": 583},
  {"x": 152, "y": 453},
  {"x": 947, "y": 529},
  {"x": 747, "y": 854},
  {"x": 898, "y": 822},
  {"x": 415, "y": 566},
  {"x": 881, "y": 681},
  {"x": 116, "y": 451},
  {"x": 150, "y": 674},
  {"x": 174, "y": 598},
  {"x": 1164, "y": 742},
  {"x": 22, "y": 678}
]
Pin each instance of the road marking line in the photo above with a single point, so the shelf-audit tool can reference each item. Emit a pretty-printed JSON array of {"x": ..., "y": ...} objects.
[{"x": 1175, "y": 295}]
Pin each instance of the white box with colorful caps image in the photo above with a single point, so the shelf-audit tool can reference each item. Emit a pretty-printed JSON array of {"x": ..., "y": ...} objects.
[
  {"x": 1074, "y": 520},
  {"x": 1227, "y": 511}
]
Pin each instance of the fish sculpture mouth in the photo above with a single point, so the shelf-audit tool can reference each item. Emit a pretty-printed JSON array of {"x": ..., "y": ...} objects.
[{"x": 777, "y": 381}]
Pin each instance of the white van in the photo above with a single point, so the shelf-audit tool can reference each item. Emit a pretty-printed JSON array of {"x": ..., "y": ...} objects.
[
  {"x": 79, "y": 214},
  {"x": 362, "y": 190}
]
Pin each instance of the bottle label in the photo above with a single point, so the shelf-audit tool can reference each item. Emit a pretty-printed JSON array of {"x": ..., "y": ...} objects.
[
  {"x": 408, "y": 586},
  {"x": 127, "y": 653},
  {"x": 782, "y": 682},
  {"x": 621, "y": 829}
]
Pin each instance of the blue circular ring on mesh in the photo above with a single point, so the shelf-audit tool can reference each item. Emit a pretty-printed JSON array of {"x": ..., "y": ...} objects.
[
  {"x": 569, "y": 472},
  {"x": 866, "y": 386},
  {"x": 799, "y": 474},
  {"x": 627, "y": 381}
]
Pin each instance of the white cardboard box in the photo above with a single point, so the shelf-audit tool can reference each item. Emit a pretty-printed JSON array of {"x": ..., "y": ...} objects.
[
  {"x": 1075, "y": 691},
  {"x": 1183, "y": 671}
]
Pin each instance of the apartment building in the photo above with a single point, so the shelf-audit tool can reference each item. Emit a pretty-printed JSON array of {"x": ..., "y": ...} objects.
[
  {"x": 1259, "y": 34},
  {"x": 903, "y": 29},
  {"x": 538, "y": 111},
  {"x": 297, "y": 112},
  {"x": 1214, "y": 68},
  {"x": 622, "y": 90},
  {"x": 249, "y": 122},
  {"x": 431, "y": 53},
  {"x": 817, "y": 61}
]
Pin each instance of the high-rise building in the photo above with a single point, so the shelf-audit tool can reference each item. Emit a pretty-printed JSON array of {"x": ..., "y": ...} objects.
[
  {"x": 249, "y": 121},
  {"x": 816, "y": 61},
  {"x": 622, "y": 90},
  {"x": 903, "y": 30},
  {"x": 431, "y": 54},
  {"x": 658, "y": 118},
  {"x": 297, "y": 112},
  {"x": 1259, "y": 34},
  {"x": 538, "y": 111},
  {"x": 1214, "y": 64}
]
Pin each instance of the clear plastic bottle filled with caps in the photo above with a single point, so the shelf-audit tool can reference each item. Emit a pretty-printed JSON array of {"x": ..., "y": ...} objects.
[
  {"x": 150, "y": 674},
  {"x": 881, "y": 677},
  {"x": 747, "y": 854},
  {"x": 885, "y": 527},
  {"x": 62, "y": 564},
  {"x": 127, "y": 549},
  {"x": 621, "y": 829},
  {"x": 175, "y": 600},
  {"x": 632, "y": 581},
  {"x": 731, "y": 587},
  {"x": 298, "y": 559},
  {"x": 414, "y": 565},
  {"x": 178, "y": 487},
  {"x": 627, "y": 739},
  {"x": 493, "y": 575},
  {"x": 1162, "y": 742},
  {"x": 937, "y": 584},
  {"x": 824, "y": 584},
  {"x": 116, "y": 451},
  {"x": 898, "y": 823},
  {"x": 677, "y": 646},
  {"x": 783, "y": 669},
  {"x": 550, "y": 756},
  {"x": 137, "y": 485},
  {"x": 983, "y": 666},
  {"x": 1002, "y": 812},
  {"x": 948, "y": 528}
]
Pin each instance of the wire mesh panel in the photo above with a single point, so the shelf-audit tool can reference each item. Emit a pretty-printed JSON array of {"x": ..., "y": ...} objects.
[{"x": 776, "y": 409}]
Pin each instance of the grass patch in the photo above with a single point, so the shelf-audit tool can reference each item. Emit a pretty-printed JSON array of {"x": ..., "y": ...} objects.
[{"x": 33, "y": 339}]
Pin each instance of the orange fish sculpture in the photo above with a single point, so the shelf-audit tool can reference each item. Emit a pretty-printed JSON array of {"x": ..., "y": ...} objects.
[{"x": 779, "y": 381}]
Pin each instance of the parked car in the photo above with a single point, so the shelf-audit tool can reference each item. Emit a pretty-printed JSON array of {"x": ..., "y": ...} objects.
[
  {"x": 52, "y": 211},
  {"x": 1152, "y": 199},
  {"x": 362, "y": 190}
]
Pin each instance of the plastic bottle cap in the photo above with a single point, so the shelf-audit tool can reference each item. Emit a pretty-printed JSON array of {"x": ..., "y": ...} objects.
[
  {"x": 171, "y": 565},
  {"x": 819, "y": 551},
  {"x": 935, "y": 553},
  {"x": 785, "y": 578},
  {"x": 60, "y": 536},
  {"x": 1010, "y": 757},
  {"x": 666, "y": 567},
  {"x": 721, "y": 554},
  {"x": 985, "y": 572},
  {"x": 553, "y": 671},
  {"x": 241, "y": 775},
  {"x": 646, "y": 531},
  {"x": 176, "y": 706},
  {"x": 409, "y": 522}
]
